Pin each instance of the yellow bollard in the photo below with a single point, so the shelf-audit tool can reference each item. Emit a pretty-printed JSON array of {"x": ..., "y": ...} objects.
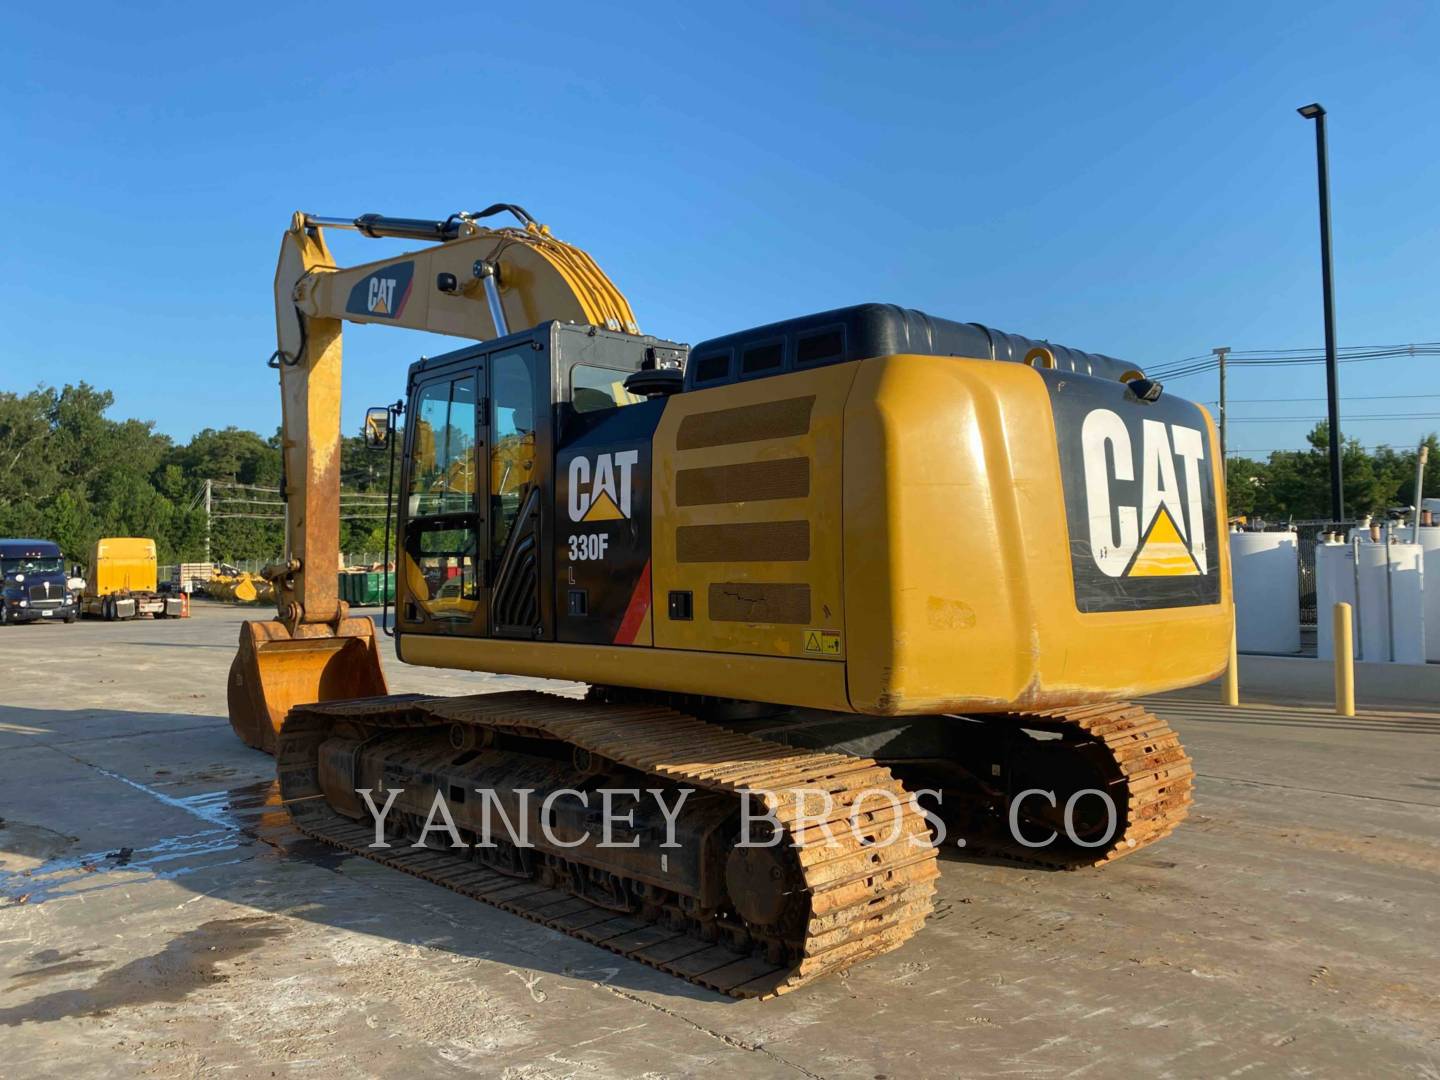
[
  {"x": 1344, "y": 661},
  {"x": 1232, "y": 674}
]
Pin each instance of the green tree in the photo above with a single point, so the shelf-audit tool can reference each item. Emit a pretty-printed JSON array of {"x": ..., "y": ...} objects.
[
  {"x": 1295, "y": 484},
  {"x": 28, "y": 472},
  {"x": 71, "y": 473},
  {"x": 1244, "y": 484}
]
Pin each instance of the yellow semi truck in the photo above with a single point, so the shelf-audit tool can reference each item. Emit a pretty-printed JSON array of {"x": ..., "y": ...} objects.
[{"x": 121, "y": 582}]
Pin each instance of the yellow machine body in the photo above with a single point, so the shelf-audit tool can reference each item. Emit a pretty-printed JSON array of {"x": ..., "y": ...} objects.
[{"x": 883, "y": 537}]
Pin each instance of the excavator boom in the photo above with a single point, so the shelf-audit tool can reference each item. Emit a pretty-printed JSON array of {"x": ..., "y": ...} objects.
[{"x": 473, "y": 282}]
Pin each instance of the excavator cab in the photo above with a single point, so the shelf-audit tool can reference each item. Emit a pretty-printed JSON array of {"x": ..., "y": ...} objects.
[
  {"x": 478, "y": 486},
  {"x": 476, "y": 495}
]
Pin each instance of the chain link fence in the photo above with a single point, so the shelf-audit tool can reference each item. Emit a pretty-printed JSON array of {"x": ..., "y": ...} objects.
[{"x": 1308, "y": 534}]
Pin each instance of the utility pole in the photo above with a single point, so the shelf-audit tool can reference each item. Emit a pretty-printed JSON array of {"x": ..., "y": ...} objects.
[
  {"x": 1220, "y": 355},
  {"x": 207, "y": 520},
  {"x": 1316, "y": 112}
]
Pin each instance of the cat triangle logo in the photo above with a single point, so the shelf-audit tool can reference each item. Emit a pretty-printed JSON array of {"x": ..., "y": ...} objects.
[
  {"x": 380, "y": 308},
  {"x": 603, "y": 509},
  {"x": 1163, "y": 552}
]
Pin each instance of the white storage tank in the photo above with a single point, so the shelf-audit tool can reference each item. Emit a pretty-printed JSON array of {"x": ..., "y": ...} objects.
[
  {"x": 1391, "y": 604},
  {"x": 1265, "y": 569},
  {"x": 1334, "y": 584},
  {"x": 1430, "y": 545}
]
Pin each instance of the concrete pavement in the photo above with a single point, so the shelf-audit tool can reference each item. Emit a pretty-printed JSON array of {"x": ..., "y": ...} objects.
[{"x": 158, "y": 918}]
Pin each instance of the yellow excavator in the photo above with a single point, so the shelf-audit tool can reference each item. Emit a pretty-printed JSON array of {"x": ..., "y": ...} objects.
[{"x": 811, "y": 572}]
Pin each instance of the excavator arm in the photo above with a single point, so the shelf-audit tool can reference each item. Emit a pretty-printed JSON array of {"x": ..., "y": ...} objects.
[{"x": 471, "y": 282}]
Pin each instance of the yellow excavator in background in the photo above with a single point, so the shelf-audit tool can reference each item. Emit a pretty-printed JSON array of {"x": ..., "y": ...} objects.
[{"x": 808, "y": 570}]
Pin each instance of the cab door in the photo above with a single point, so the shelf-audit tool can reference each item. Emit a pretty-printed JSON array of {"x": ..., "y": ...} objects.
[
  {"x": 444, "y": 538},
  {"x": 517, "y": 415}
]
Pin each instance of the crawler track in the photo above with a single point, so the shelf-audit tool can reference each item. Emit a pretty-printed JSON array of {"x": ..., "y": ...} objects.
[
  {"x": 859, "y": 901},
  {"x": 1143, "y": 768},
  {"x": 1117, "y": 748}
]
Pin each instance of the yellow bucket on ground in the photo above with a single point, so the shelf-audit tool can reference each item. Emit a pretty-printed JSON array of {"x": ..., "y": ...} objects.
[{"x": 276, "y": 670}]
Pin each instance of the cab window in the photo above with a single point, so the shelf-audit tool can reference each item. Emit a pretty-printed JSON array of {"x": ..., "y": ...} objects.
[
  {"x": 512, "y": 440},
  {"x": 442, "y": 474},
  {"x": 441, "y": 541},
  {"x": 595, "y": 388},
  {"x": 32, "y": 564},
  {"x": 447, "y": 563}
]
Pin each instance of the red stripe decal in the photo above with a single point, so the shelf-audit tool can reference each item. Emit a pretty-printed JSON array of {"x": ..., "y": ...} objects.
[
  {"x": 635, "y": 613},
  {"x": 404, "y": 299}
]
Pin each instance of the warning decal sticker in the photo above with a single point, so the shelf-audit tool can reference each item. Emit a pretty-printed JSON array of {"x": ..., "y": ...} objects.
[{"x": 822, "y": 642}]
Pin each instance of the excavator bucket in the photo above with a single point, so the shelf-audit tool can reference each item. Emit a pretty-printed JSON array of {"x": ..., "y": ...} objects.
[{"x": 276, "y": 670}]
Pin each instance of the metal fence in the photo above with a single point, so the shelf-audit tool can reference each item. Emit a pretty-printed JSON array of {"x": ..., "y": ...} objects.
[{"x": 1307, "y": 535}]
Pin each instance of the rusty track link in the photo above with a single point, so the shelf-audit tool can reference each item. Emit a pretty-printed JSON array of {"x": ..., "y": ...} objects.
[
  {"x": 862, "y": 901},
  {"x": 1150, "y": 779}
]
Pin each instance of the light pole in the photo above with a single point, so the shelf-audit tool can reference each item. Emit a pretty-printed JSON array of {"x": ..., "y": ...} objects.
[
  {"x": 1220, "y": 355},
  {"x": 1316, "y": 112}
]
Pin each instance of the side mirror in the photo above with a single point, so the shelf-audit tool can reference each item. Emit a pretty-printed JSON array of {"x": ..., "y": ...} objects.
[{"x": 377, "y": 427}]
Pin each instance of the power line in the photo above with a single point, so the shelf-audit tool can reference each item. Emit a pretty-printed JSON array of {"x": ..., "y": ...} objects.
[
  {"x": 1348, "y": 397},
  {"x": 1194, "y": 365},
  {"x": 1305, "y": 450},
  {"x": 1372, "y": 418}
]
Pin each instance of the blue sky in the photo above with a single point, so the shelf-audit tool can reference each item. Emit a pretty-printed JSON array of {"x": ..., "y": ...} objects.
[{"x": 1128, "y": 178}]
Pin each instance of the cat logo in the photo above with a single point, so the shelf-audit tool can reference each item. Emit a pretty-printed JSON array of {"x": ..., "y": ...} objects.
[
  {"x": 1163, "y": 536},
  {"x": 601, "y": 490},
  {"x": 383, "y": 294}
]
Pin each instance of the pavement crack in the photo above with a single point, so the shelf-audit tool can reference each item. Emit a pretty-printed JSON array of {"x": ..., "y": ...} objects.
[
  {"x": 59, "y": 746},
  {"x": 1314, "y": 791},
  {"x": 719, "y": 1036}
]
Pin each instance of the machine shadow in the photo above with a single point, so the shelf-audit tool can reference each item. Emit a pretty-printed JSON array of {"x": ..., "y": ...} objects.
[
  {"x": 1371, "y": 723},
  {"x": 217, "y": 828}
]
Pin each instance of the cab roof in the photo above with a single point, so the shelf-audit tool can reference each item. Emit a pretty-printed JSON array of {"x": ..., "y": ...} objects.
[{"x": 19, "y": 548}]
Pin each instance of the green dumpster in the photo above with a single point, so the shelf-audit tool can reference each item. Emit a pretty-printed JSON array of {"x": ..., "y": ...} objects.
[{"x": 366, "y": 588}]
